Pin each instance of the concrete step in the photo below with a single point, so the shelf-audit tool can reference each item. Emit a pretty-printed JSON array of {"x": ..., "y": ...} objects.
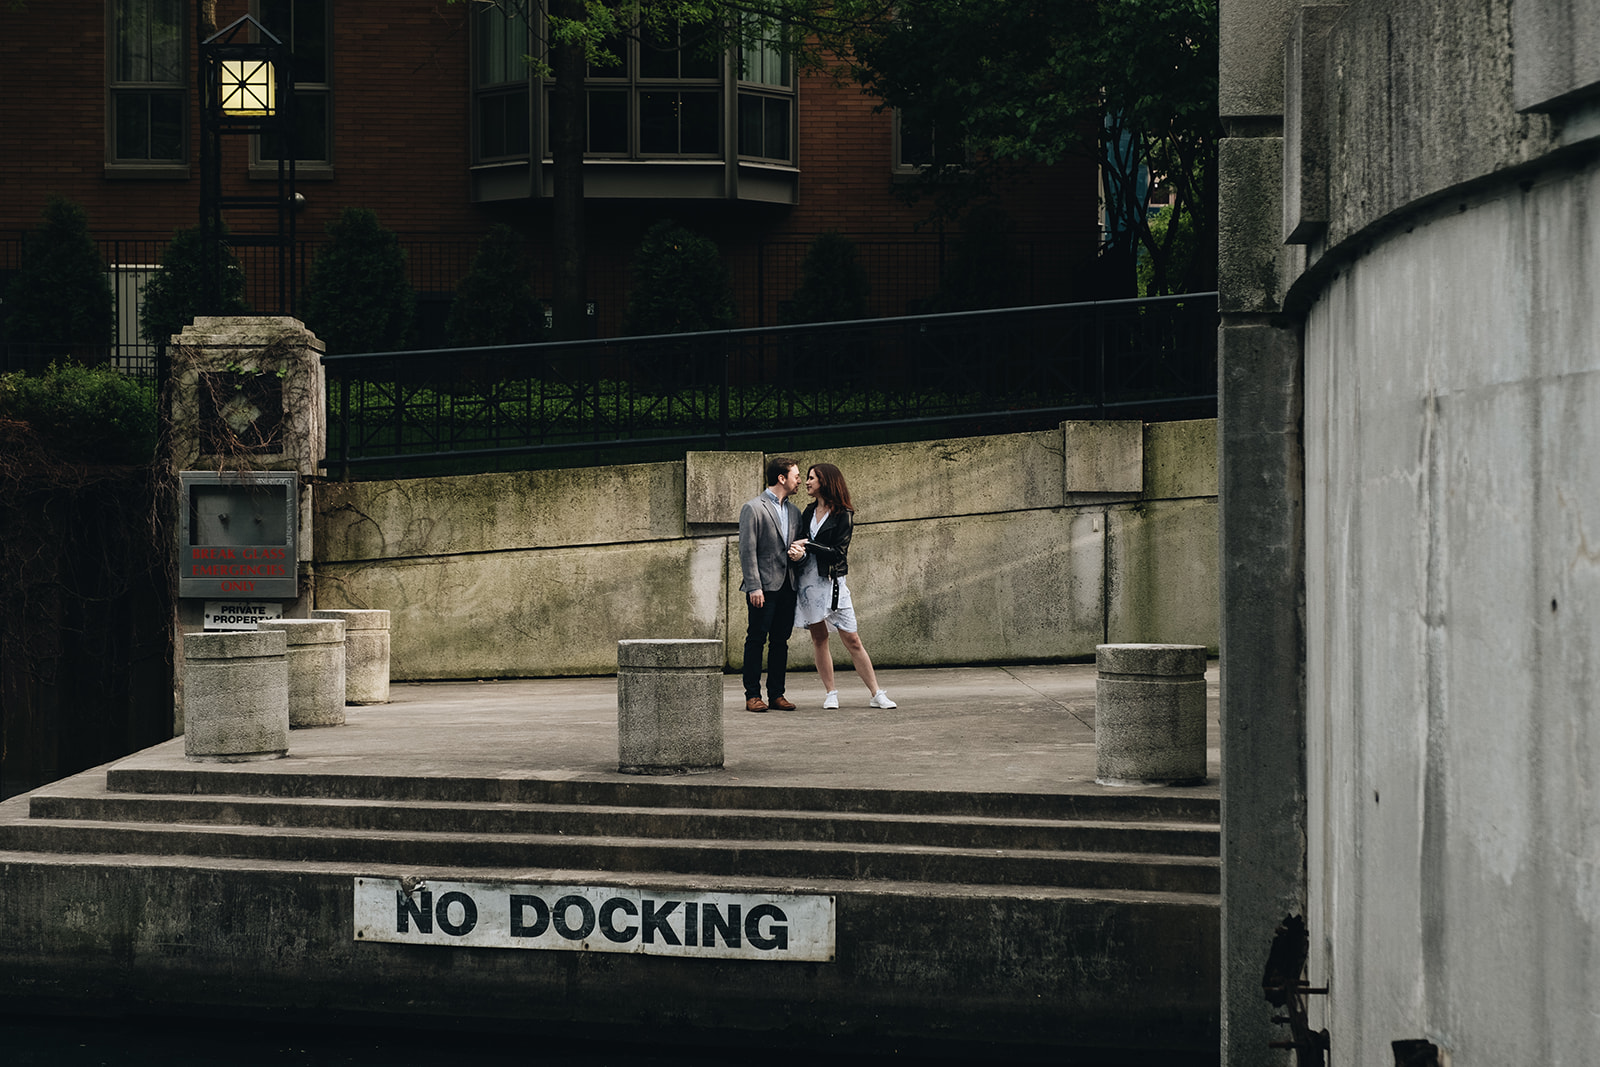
[
  {"x": 1175, "y": 838},
  {"x": 260, "y": 780},
  {"x": 771, "y": 859}
]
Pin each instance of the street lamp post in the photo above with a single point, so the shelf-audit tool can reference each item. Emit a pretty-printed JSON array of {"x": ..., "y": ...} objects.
[{"x": 248, "y": 88}]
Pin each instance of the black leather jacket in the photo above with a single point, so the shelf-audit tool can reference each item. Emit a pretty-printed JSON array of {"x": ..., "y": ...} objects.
[{"x": 830, "y": 545}]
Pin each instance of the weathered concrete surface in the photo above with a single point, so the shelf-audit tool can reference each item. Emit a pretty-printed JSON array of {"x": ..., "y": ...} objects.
[
  {"x": 1420, "y": 103},
  {"x": 966, "y": 551},
  {"x": 669, "y": 706},
  {"x": 1150, "y": 714},
  {"x": 315, "y": 661},
  {"x": 1452, "y": 665},
  {"x": 367, "y": 652},
  {"x": 238, "y": 696}
]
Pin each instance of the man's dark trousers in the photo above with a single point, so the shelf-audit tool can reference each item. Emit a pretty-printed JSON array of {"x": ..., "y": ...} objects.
[{"x": 770, "y": 625}]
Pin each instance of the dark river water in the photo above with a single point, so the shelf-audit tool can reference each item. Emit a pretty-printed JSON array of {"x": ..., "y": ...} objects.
[{"x": 53, "y": 1042}]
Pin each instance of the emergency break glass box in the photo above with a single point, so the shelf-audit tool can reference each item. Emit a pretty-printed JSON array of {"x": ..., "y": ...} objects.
[{"x": 237, "y": 534}]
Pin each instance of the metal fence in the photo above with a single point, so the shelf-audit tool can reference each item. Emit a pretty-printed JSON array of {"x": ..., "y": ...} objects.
[
  {"x": 905, "y": 272},
  {"x": 467, "y": 410}
]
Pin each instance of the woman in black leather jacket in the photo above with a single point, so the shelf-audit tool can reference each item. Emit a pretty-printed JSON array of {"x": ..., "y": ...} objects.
[{"x": 823, "y": 599}]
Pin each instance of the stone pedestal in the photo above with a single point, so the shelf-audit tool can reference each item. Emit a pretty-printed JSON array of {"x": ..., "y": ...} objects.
[
  {"x": 669, "y": 706},
  {"x": 236, "y": 696},
  {"x": 316, "y": 669},
  {"x": 1150, "y": 714},
  {"x": 366, "y": 652}
]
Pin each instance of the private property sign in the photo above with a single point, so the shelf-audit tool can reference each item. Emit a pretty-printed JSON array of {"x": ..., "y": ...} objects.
[{"x": 746, "y": 926}]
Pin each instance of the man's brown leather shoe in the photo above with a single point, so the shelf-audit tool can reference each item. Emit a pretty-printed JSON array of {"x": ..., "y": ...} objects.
[
  {"x": 781, "y": 704},
  {"x": 755, "y": 704}
]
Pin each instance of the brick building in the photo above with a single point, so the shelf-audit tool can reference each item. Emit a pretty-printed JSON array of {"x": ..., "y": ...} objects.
[{"x": 425, "y": 113}]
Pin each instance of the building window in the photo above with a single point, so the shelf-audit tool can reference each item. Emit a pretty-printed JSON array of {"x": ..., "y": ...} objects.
[
  {"x": 766, "y": 97},
  {"x": 661, "y": 99},
  {"x": 500, "y": 86},
  {"x": 919, "y": 146},
  {"x": 148, "y": 109},
  {"x": 305, "y": 26}
]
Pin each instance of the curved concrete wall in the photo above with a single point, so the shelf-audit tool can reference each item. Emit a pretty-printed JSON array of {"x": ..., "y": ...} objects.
[
  {"x": 1430, "y": 306},
  {"x": 1453, "y": 514},
  {"x": 1025, "y": 547}
]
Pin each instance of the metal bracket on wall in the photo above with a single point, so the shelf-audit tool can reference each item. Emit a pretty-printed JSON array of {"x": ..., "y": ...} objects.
[{"x": 1283, "y": 986}]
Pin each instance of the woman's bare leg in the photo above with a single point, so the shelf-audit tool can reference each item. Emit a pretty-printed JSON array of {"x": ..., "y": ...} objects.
[
  {"x": 822, "y": 655},
  {"x": 859, "y": 659}
]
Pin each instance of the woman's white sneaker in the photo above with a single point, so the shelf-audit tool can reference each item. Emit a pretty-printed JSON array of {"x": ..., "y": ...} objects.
[
  {"x": 831, "y": 701},
  {"x": 880, "y": 699}
]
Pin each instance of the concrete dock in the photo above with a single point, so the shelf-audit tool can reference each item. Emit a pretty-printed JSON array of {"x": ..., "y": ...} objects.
[{"x": 984, "y": 887}]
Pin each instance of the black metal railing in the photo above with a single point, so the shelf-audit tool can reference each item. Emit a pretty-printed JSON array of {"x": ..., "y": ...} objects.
[{"x": 464, "y": 410}]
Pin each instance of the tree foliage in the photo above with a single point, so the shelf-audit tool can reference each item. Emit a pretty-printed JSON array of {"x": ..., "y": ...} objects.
[
  {"x": 494, "y": 303},
  {"x": 1133, "y": 83},
  {"x": 833, "y": 284},
  {"x": 358, "y": 298},
  {"x": 172, "y": 297},
  {"x": 60, "y": 300},
  {"x": 679, "y": 285}
]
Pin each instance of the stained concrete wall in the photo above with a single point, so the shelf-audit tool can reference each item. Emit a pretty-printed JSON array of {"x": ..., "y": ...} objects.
[
  {"x": 972, "y": 550},
  {"x": 1442, "y": 336}
]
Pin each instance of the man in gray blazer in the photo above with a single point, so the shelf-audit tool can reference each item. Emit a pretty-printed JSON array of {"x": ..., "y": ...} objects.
[{"x": 768, "y": 527}]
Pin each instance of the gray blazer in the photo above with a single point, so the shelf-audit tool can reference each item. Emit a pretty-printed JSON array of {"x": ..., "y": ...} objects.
[{"x": 763, "y": 553}]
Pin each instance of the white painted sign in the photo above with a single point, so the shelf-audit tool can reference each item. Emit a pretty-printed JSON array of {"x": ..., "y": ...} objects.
[
  {"x": 655, "y": 922},
  {"x": 240, "y": 614}
]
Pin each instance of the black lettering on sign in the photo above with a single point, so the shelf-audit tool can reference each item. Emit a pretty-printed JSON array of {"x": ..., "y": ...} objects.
[
  {"x": 656, "y": 921},
  {"x": 541, "y": 915},
  {"x": 608, "y": 919},
  {"x": 407, "y": 909},
  {"x": 777, "y": 935},
  {"x": 691, "y": 925},
  {"x": 469, "y": 913},
  {"x": 712, "y": 923},
  {"x": 559, "y": 915}
]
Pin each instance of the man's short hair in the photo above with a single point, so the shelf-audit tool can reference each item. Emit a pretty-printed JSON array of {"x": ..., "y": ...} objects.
[{"x": 777, "y": 467}]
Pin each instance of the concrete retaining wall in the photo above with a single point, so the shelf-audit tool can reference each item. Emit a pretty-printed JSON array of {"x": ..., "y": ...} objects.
[{"x": 986, "y": 549}]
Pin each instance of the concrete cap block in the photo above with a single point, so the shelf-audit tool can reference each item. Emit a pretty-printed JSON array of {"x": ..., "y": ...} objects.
[
  {"x": 307, "y": 631},
  {"x": 235, "y": 644},
  {"x": 671, "y": 654},
  {"x": 716, "y": 484},
  {"x": 1104, "y": 456},
  {"x": 1166, "y": 660},
  {"x": 356, "y": 618}
]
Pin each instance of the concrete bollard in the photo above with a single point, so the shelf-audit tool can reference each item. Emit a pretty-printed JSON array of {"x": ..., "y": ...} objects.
[
  {"x": 235, "y": 696},
  {"x": 316, "y": 669},
  {"x": 1150, "y": 714},
  {"x": 669, "y": 706},
  {"x": 366, "y": 652}
]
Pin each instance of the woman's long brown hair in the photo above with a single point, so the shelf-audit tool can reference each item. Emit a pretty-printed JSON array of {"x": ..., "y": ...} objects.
[{"x": 831, "y": 489}]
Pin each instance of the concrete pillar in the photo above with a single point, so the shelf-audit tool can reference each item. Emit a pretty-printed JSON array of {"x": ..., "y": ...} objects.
[
  {"x": 366, "y": 652},
  {"x": 1150, "y": 714},
  {"x": 316, "y": 669},
  {"x": 236, "y": 696},
  {"x": 669, "y": 706}
]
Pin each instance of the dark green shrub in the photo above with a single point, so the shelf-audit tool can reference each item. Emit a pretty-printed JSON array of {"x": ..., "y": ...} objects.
[
  {"x": 358, "y": 298},
  {"x": 87, "y": 413},
  {"x": 680, "y": 284},
  {"x": 494, "y": 303},
  {"x": 172, "y": 297},
  {"x": 833, "y": 285},
  {"x": 60, "y": 301}
]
